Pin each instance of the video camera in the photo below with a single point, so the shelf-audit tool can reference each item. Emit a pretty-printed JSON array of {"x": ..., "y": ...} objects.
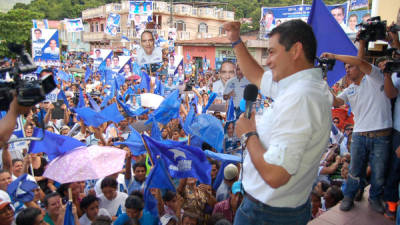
[
  {"x": 372, "y": 30},
  {"x": 326, "y": 65},
  {"x": 393, "y": 66},
  {"x": 29, "y": 93},
  {"x": 190, "y": 84}
]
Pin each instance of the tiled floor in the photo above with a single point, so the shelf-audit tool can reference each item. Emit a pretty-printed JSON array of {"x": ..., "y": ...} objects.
[{"x": 361, "y": 214}]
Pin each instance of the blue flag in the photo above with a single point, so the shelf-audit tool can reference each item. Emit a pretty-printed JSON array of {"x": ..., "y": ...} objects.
[
  {"x": 93, "y": 103},
  {"x": 168, "y": 109},
  {"x": 128, "y": 110},
  {"x": 189, "y": 120},
  {"x": 155, "y": 131},
  {"x": 68, "y": 216},
  {"x": 63, "y": 76},
  {"x": 159, "y": 90},
  {"x": 181, "y": 160},
  {"x": 21, "y": 189},
  {"x": 81, "y": 102},
  {"x": 90, "y": 117},
  {"x": 88, "y": 73},
  {"x": 210, "y": 101},
  {"x": 145, "y": 81},
  {"x": 330, "y": 38},
  {"x": 230, "y": 114},
  {"x": 61, "y": 95},
  {"x": 134, "y": 143},
  {"x": 53, "y": 144},
  {"x": 112, "y": 113},
  {"x": 128, "y": 92},
  {"x": 209, "y": 129}
]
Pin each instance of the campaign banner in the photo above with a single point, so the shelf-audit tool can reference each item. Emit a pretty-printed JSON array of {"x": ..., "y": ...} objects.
[
  {"x": 74, "y": 25},
  {"x": 113, "y": 22},
  {"x": 45, "y": 47},
  {"x": 42, "y": 24},
  {"x": 358, "y": 4},
  {"x": 101, "y": 58},
  {"x": 118, "y": 63},
  {"x": 141, "y": 13},
  {"x": 273, "y": 16},
  {"x": 357, "y": 17}
]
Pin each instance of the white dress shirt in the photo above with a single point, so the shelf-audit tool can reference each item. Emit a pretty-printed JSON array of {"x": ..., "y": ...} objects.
[
  {"x": 238, "y": 86},
  {"x": 294, "y": 131}
]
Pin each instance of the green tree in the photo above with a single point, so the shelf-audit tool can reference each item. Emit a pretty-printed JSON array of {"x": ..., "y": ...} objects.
[{"x": 16, "y": 28}]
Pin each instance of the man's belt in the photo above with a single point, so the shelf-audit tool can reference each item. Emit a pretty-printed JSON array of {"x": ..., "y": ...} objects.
[
  {"x": 251, "y": 198},
  {"x": 376, "y": 133}
]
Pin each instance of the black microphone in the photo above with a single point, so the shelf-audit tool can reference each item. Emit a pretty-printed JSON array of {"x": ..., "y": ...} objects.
[{"x": 250, "y": 96}]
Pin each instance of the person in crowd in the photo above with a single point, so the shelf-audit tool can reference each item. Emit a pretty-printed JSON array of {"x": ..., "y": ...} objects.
[
  {"x": 102, "y": 220},
  {"x": 112, "y": 200},
  {"x": 91, "y": 209},
  {"x": 373, "y": 124},
  {"x": 137, "y": 183},
  {"x": 229, "y": 206},
  {"x": 30, "y": 216},
  {"x": 234, "y": 88},
  {"x": 6, "y": 212},
  {"x": 226, "y": 72},
  {"x": 231, "y": 174},
  {"x": 135, "y": 211},
  {"x": 172, "y": 205},
  {"x": 231, "y": 142}
]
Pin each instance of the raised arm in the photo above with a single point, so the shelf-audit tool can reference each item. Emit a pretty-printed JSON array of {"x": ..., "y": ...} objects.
[
  {"x": 251, "y": 69},
  {"x": 364, "y": 66}
]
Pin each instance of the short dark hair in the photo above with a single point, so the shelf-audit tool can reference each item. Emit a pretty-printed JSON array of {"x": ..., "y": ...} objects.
[
  {"x": 28, "y": 216},
  {"x": 134, "y": 202},
  {"x": 15, "y": 161},
  {"x": 339, "y": 7},
  {"x": 215, "y": 162},
  {"x": 137, "y": 193},
  {"x": 37, "y": 29},
  {"x": 109, "y": 182},
  {"x": 293, "y": 31},
  {"x": 227, "y": 61},
  {"x": 87, "y": 201},
  {"x": 102, "y": 220},
  {"x": 139, "y": 164},
  {"x": 168, "y": 196},
  {"x": 115, "y": 57},
  {"x": 48, "y": 196},
  {"x": 146, "y": 31},
  {"x": 353, "y": 15},
  {"x": 97, "y": 50}
]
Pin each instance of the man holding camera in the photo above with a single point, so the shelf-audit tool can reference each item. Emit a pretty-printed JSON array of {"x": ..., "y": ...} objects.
[{"x": 372, "y": 129}]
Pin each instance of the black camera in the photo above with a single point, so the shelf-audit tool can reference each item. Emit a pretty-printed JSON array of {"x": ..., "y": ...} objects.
[
  {"x": 392, "y": 66},
  {"x": 372, "y": 30},
  {"x": 190, "y": 84},
  {"x": 326, "y": 65},
  {"x": 29, "y": 93}
]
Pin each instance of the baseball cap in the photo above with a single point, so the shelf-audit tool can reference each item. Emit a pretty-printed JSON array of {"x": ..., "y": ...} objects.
[
  {"x": 237, "y": 187},
  {"x": 4, "y": 199},
  {"x": 230, "y": 171}
]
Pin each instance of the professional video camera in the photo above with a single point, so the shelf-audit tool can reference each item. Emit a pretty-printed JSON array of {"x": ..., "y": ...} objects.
[
  {"x": 372, "y": 30},
  {"x": 326, "y": 65},
  {"x": 29, "y": 93},
  {"x": 392, "y": 66}
]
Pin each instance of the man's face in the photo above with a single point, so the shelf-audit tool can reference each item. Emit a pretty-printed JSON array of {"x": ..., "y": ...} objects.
[
  {"x": 169, "y": 80},
  {"x": 38, "y": 34},
  {"x": 93, "y": 210},
  {"x": 98, "y": 54},
  {"x": 140, "y": 173},
  {"x": 127, "y": 69},
  {"x": 353, "y": 72},
  {"x": 5, "y": 180},
  {"x": 18, "y": 168},
  {"x": 278, "y": 58},
  {"x": 7, "y": 214},
  {"x": 54, "y": 205},
  {"x": 338, "y": 14},
  {"x": 53, "y": 44},
  {"x": 115, "y": 61},
  {"x": 108, "y": 62},
  {"x": 352, "y": 22},
  {"x": 214, "y": 171},
  {"x": 147, "y": 43},
  {"x": 269, "y": 18},
  {"x": 227, "y": 72},
  {"x": 133, "y": 213}
]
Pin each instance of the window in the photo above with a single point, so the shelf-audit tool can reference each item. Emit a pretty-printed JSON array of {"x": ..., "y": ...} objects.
[
  {"x": 102, "y": 27},
  {"x": 97, "y": 27},
  {"x": 203, "y": 28},
  {"x": 221, "y": 30},
  {"x": 180, "y": 25},
  {"x": 91, "y": 27}
]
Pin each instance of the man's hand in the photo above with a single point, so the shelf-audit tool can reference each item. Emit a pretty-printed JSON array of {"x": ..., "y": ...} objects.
[
  {"x": 232, "y": 30},
  {"x": 18, "y": 109},
  {"x": 327, "y": 55},
  {"x": 244, "y": 125}
]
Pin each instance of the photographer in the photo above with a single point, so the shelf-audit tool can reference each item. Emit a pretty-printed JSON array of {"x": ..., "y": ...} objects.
[
  {"x": 372, "y": 129},
  {"x": 7, "y": 123}
]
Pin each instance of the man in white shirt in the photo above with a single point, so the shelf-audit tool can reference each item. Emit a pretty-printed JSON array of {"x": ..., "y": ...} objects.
[
  {"x": 234, "y": 88},
  {"x": 226, "y": 72},
  {"x": 285, "y": 144},
  {"x": 372, "y": 128}
]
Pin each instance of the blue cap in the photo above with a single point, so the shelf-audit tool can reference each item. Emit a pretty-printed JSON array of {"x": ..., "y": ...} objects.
[{"x": 236, "y": 187}]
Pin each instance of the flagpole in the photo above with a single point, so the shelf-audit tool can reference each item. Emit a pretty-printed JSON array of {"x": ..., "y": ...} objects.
[
  {"x": 148, "y": 151},
  {"x": 189, "y": 139}
]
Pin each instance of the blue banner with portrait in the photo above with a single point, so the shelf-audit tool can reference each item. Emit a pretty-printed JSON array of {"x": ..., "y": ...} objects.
[{"x": 45, "y": 47}]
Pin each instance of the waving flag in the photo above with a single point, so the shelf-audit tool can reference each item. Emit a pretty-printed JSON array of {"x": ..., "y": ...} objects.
[
  {"x": 93, "y": 118},
  {"x": 155, "y": 131},
  {"x": 209, "y": 129},
  {"x": 88, "y": 73},
  {"x": 327, "y": 29},
  {"x": 189, "y": 120},
  {"x": 168, "y": 109},
  {"x": 145, "y": 81},
  {"x": 53, "y": 144},
  {"x": 21, "y": 189},
  {"x": 210, "y": 101},
  {"x": 93, "y": 103},
  {"x": 230, "y": 114},
  {"x": 61, "y": 95},
  {"x": 128, "y": 110},
  {"x": 181, "y": 160},
  {"x": 81, "y": 102},
  {"x": 69, "y": 216},
  {"x": 134, "y": 143},
  {"x": 111, "y": 113}
]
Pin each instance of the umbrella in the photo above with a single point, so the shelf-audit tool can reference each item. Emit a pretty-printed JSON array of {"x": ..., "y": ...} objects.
[
  {"x": 151, "y": 100},
  {"x": 86, "y": 163}
]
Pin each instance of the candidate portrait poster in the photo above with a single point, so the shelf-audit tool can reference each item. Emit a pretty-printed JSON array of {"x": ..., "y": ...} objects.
[
  {"x": 101, "y": 58},
  {"x": 113, "y": 23},
  {"x": 141, "y": 13},
  {"x": 74, "y": 25},
  {"x": 45, "y": 47}
]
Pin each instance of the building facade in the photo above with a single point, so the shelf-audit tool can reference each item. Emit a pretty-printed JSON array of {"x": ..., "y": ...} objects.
[{"x": 190, "y": 21}]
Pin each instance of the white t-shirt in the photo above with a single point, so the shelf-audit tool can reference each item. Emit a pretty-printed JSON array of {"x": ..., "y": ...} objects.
[
  {"x": 113, "y": 205},
  {"x": 396, "y": 117},
  {"x": 84, "y": 220},
  {"x": 369, "y": 103},
  {"x": 218, "y": 88},
  {"x": 155, "y": 57},
  {"x": 294, "y": 131}
]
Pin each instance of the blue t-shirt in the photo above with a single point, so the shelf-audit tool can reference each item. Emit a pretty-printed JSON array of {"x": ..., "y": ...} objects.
[{"x": 146, "y": 219}]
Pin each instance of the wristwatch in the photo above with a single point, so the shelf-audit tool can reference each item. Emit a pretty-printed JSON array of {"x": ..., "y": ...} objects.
[
  {"x": 245, "y": 137},
  {"x": 236, "y": 42}
]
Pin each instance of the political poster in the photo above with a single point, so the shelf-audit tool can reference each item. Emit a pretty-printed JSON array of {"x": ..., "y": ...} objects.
[
  {"x": 113, "y": 22},
  {"x": 358, "y": 4},
  {"x": 118, "y": 63},
  {"x": 141, "y": 13},
  {"x": 45, "y": 47},
  {"x": 357, "y": 17},
  {"x": 41, "y": 24},
  {"x": 74, "y": 25},
  {"x": 101, "y": 58},
  {"x": 273, "y": 16}
]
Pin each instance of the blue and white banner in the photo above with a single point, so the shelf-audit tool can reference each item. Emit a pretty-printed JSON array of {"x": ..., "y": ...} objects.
[
  {"x": 356, "y": 17},
  {"x": 45, "y": 47},
  {"x": 41, "y": 24},
  {"x": 113, "y": 22},
  {"x": 118, "y": 63},
  {"x": 101, "y": 58},
  {"x": 273, "y": 16},
  {"x": 74, "y": 25},
  {"x": 141, "y": 12},
  {"x": 358, "y": 4}
]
